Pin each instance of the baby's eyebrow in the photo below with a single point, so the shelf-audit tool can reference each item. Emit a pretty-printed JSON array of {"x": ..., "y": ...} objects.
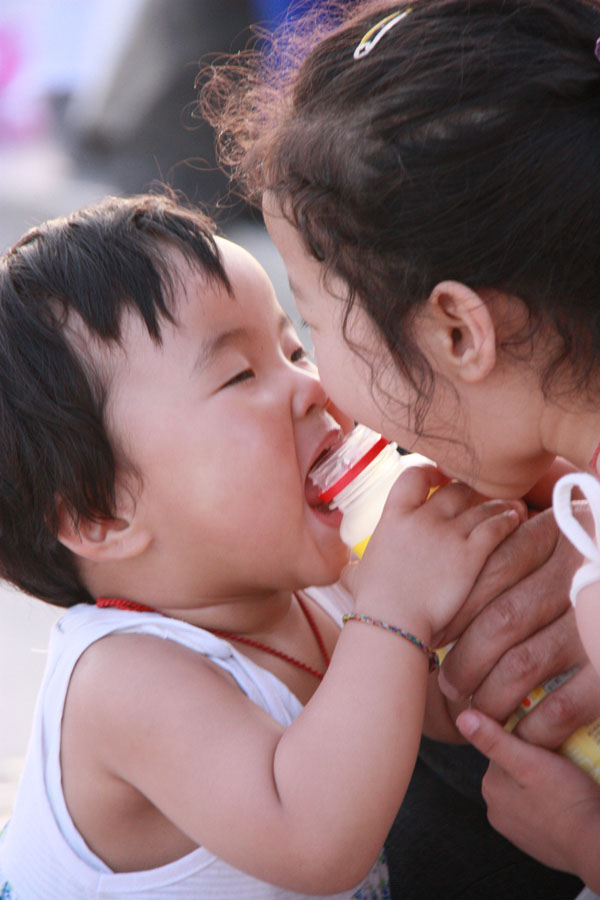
[{"x": 213, "y": 345}]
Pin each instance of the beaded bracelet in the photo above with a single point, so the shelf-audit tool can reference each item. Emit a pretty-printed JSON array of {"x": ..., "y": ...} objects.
[{"x": 434, "y": 661}]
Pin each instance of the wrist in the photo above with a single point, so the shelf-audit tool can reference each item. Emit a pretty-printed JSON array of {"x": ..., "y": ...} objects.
[
  {"x": 396, "y": 614},
  {"x": 364, "y": 619}
]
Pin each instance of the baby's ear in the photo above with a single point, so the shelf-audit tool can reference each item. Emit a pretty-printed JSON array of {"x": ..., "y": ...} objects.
[
  {"x": 460, "y": 332},
  {"x": 103, "y": 540}
]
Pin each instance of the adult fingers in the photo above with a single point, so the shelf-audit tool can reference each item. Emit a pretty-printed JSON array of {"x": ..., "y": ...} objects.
[
  {"x": 510, "y": 619},
  {"x": 549, "y": 652},
  {"x": 554, "y": 651},
  {"x": 524, "y": 552},
  {"x": 563, "y": 711},
  {"x": 505, "y": 624}
]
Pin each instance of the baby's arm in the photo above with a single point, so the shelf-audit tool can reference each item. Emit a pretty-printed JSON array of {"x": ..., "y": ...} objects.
[
  {"x": 539, "y": 800},
  {"x": 307, "y": 807}
]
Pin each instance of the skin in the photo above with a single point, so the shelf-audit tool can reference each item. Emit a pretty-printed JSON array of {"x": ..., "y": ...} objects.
[
  {"x": 559, "y": 826},
  {"x": 539, "y": 800},
  {"x": 494, "y": 407},
  {"x": 511, "y": 645},
  {"x": 489, "y": 423},
  {"x": 217, "y": 530}
]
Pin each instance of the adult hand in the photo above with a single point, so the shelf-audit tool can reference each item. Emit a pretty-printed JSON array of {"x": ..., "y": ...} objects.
[
  {"x": 517, "y": 629},
  {"x": 539, "y": 800}
]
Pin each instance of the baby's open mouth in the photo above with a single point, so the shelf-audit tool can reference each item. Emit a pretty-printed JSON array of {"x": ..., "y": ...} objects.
[
  {"x": 312, "y": 493},
  {"x": 312, "y": 490}
]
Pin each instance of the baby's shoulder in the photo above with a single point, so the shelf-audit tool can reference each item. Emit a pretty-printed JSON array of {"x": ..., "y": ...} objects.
[{"x": 119, "y": 665}]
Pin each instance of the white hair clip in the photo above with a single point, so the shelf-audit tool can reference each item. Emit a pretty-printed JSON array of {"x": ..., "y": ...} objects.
[{"x": 374, "y": 34}]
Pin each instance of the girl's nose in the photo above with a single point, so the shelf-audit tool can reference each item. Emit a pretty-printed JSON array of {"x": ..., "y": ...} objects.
[{"x": 308, "y": 392}]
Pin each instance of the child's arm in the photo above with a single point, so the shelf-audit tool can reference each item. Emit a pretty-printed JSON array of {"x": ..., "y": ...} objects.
[
  {"x": 307, "y": 807},
  {"x": 539, "y": 800},
  {"x": 587, "y": 614}
]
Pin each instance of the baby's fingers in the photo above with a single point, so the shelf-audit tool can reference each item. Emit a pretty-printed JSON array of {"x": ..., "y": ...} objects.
[
  {"x": 490, "y": 523},
  {"x": 413, "y": 487},
  {"x": 476, "y": 515}
]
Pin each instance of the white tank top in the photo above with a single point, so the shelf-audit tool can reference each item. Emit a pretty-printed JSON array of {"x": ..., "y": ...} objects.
[{"x": 43, "y": 855}]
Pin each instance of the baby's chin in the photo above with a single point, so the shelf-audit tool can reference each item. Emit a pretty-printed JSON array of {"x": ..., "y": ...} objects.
[{"x": 332, "y": 570}]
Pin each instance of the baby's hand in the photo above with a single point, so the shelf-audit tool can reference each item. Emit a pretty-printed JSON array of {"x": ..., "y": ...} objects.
[{"x": 424, "y": 557}]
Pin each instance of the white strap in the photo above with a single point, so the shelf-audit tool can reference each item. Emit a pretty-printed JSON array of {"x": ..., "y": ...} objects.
[{"x": 574, "y": 531}]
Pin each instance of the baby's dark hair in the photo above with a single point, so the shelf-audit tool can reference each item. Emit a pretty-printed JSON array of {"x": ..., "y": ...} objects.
[
  {"x": 54, "y": 447},
  {"x": 464, "y": 146}
]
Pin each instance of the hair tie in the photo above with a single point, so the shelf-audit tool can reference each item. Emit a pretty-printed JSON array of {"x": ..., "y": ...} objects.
[
  {"x": 574, "y": 531},
  {"x": 374, "y": 34}
]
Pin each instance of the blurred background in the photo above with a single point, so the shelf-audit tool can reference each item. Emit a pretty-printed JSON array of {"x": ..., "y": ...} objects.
[{"x": 96, "y": 98}]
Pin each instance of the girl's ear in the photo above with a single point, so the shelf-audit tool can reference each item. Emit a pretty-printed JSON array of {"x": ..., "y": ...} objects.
[
  {"x": 108, "y": 540},
  {"x": 460, "y": 332}
]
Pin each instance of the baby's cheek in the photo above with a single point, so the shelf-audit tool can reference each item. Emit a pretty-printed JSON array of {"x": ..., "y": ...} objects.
[{"x": 587, "y": 614}]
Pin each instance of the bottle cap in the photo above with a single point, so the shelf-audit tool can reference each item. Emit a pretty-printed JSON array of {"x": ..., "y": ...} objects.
[{"x": 343, "y": 464}]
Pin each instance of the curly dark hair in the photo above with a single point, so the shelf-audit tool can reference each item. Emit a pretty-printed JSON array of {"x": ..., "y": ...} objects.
[
  {"x": 465, "y": 146},
  {"x": 96, "y": 264}
]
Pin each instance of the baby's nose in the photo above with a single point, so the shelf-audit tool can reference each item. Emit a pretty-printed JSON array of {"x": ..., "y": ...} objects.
[{"x": 308, "y": 394}]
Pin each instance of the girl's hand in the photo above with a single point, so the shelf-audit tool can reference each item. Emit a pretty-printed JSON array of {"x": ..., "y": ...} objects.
[
  {"x": 539, "y": 800},
  {"x": 424, "y": 557}
]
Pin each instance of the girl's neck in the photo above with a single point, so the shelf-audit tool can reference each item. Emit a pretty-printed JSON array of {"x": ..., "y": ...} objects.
[{"x": 574, "y": 435}]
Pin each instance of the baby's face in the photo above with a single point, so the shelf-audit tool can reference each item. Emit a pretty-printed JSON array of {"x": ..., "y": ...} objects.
[{"x": 224, "y": 420}]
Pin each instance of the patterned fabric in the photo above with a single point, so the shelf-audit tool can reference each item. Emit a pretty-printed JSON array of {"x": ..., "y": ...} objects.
[
  {"x": 6, "y": 892},
  {"x": 376, "y": 885}
]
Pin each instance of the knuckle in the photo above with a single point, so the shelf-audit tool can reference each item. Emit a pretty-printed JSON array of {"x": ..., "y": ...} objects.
[
  {"x": 520, "y": 662},
  {"x": 561, "y": 709},
  {"x": 504, "y": 615},
  {"x": 497, "y": 565},
  {"x": 413, "y": 475}
]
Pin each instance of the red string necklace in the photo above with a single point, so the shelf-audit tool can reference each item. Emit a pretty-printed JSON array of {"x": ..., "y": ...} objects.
[{"x": 120, "y": 603}]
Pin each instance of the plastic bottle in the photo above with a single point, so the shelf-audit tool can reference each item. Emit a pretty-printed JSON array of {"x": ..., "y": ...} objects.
[{"x": 356, "y": 477}]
